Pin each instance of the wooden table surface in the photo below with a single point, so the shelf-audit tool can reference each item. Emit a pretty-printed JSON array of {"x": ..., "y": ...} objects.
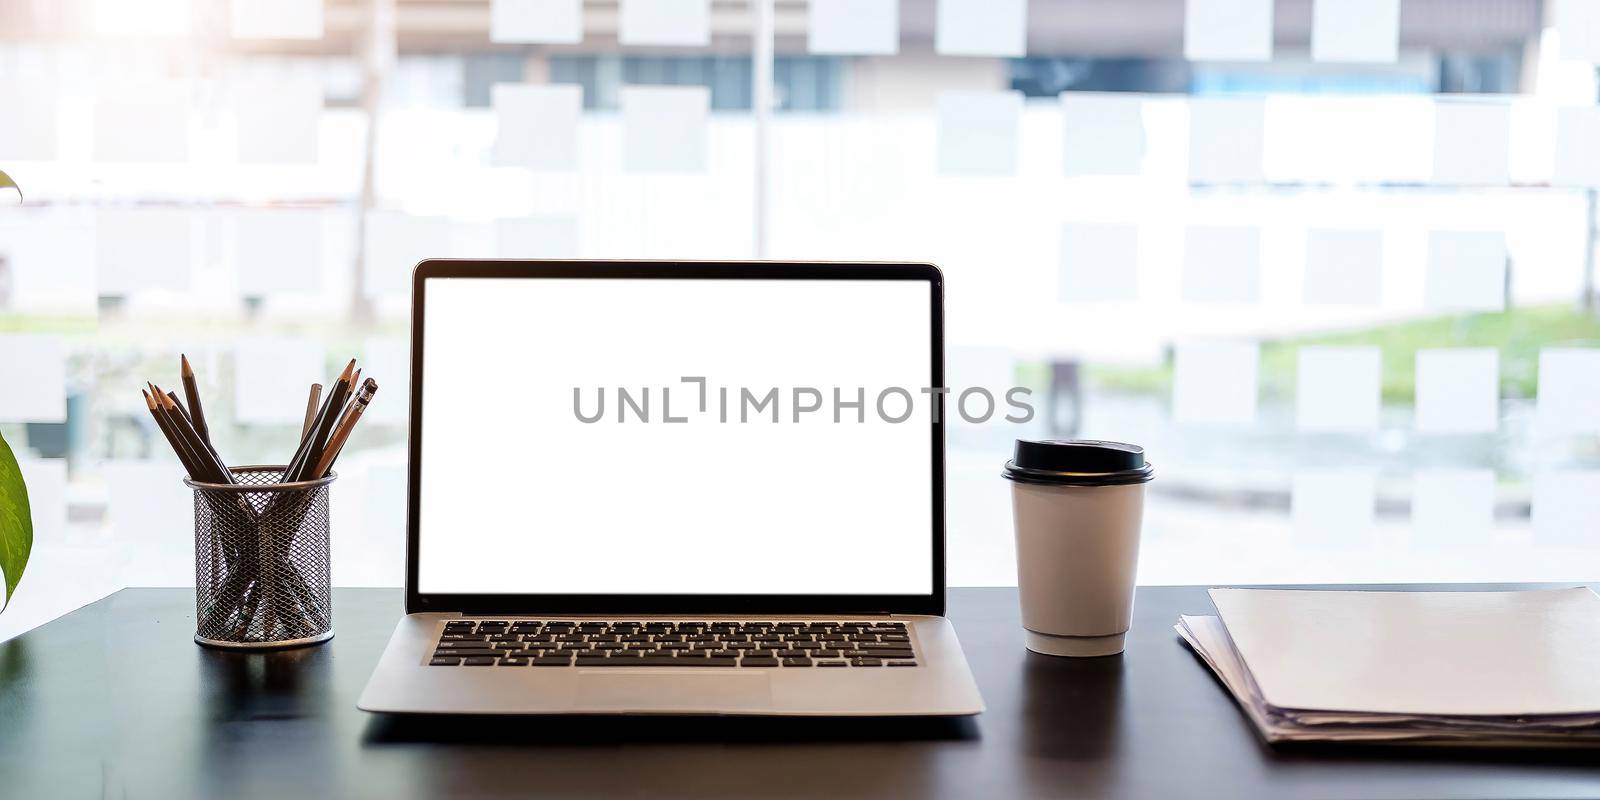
[{"x": 114, "y": 700}]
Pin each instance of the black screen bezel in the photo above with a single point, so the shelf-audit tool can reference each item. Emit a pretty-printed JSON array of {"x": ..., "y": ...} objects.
[{"x": 932, "y": 603}]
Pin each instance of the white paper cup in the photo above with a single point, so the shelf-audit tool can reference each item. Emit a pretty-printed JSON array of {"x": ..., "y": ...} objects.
[{"x": 1078, "y": 507}]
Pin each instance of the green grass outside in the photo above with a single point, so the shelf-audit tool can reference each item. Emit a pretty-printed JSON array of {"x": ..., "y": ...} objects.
[{"x": 1518, "y": 334}]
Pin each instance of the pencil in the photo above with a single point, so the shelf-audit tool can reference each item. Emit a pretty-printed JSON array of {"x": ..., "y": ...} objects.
[
  {"x": 347, "y": 423},
  {"x": 311, "y": 447},
  {"x": 166, "y": 430},
  {"x": 208, "y": 461},
  {"x": 311, "y": 409},
  {"x": 191, "y": 391}
]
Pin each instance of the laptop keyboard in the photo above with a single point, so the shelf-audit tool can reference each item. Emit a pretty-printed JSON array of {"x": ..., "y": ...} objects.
[{"x": 585, "y": 643}]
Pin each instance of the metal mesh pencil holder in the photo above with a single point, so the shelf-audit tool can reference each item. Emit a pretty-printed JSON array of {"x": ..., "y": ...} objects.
[{"x": 261, "y": 561}]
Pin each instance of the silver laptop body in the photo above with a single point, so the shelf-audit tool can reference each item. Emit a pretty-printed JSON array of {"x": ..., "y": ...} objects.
[{"x": 675, "y": 488}]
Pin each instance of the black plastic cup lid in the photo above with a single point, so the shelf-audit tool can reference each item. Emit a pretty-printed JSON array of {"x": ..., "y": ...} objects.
[{"x": 1078, "y": 462}]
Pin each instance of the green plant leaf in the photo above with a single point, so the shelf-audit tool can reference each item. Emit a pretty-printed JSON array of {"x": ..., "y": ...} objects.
[
  {"x": 16, "y": 523},
  {"x": 7, "y": 183}
]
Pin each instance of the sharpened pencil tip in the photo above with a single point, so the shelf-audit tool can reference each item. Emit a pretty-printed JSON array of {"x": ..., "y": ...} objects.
[{"x": 188, "y": 371}]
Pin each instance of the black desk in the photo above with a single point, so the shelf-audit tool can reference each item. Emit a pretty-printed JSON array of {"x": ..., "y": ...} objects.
[{"x": 114, "y": 700}]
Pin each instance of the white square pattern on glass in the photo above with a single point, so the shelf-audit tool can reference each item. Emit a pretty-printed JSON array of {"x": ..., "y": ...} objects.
[
  {"x": 1356, "y": 31},
  {"x": 30, "y": 132},
  {"x": 538, "y": 125},
  {"x": 1227, "y": 136},
  {"x": 978, "y": 132},
  {"x": 276, "y": 19},
  {"x": 1569, "y": 384},
  {"x": 143, "y": 249},
  {"x": 271, "y": 378},
  {"x": 981, "y": 28},
  {"x": 1343, "y": 267},
  {"x": 684, "y": 23},
  {"x": 33, "y": 370},
  {"x": 1338, "y": 388},
  {"x": 1228, "y": 30},
  {"x": 536, "y": 237},
  {"x": 1103, "y": 133},
  {"x": 1099, "y": 263},
  {"x": 1458, "y": 390},
  {"x": 854, "y": 27},
  {"x": 536, "y": 21},
  {"x": 1214, "y": 383},
  {"x": 1466, "y": 271},
  {"x": 1566, "y": 504},
  {"x": 664, "y": 128},
  {"x": 1471, "y": 142},
  {"x": 1452, "y": 507},
  {"x": 1333, "y": 508},
  {"x": 278, "y": 250},
  {"x": 395, "y": 242},
  {"x": 278, "y": 122},
  {"x": 1221, "y": 265}
]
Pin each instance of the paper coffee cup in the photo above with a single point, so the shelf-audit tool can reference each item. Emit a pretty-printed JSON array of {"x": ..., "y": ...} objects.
[{"x": 1078, "y": 506}]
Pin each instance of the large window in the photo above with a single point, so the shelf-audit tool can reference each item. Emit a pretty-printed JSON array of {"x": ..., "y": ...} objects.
[{"x": 1337, "y": 274}]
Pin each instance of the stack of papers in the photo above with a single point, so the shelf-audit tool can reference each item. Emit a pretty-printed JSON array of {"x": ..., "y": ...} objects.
[{"x": 1469, "y": 668}]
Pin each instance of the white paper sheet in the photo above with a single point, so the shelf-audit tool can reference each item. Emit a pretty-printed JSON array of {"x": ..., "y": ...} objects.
[
  {"x": 1569, "y": 383},
  {"x": 143, "y": 249},
  {"x": 272, "y": 377},
  {"x": 1226, "y": 139},
  {"x": 279, "y": 250},
  {"x": 1338, "y": 388},
  {"x": 1471, "y": 142},
  {"x": 1343, "y": 267},
  {"x": 1452, "y": 507},
  {"x": 1356, "y": 31},
  {"x": 277, "y": 19},
  {"x": 30, "y": 130},
  {"x": 981, "y": 28},
  {"x": 1458, "y": 390},
  {"x": 1228, "y": 30},
  {"x": 395, "y": 242},
  {"x": 536, "y": 237},
  {"x": 1103, "y": 133},
  {"x": 387, "y": 360},
  {"x": 1215, "y": 382},
  {"x": 536, "y": 21},
  {"x": 664, "y": 128},
  {"x": 1565, "y": 505},
  {"x": 151, "y": 516},
  {"x": 978, "y": 132},
  {"x": 665, "y": 22},
  {"x": 1478, "y": 653},
  {"x": 1221, "y": 265},
  {"x": 33, "y": 370},
  {"x": 142, "y": 122},
  {"x": 538, "y": 125},
  {"x": 1466, "y": 271},
  {"x": 1577, "y": 25},
  {"x": 1099, "y": 263},
  {"x": 1577, "y": 162},
  {"x": 854, "y": 27},
  {"x": 1333, "y": 508}
]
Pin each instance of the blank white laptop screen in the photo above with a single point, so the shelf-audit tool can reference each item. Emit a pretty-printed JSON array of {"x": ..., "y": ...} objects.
[{"x": 520, "y": 494}]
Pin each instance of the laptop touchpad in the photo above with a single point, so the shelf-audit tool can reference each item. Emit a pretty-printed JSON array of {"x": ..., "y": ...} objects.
[{"x": 671, "y": 690}]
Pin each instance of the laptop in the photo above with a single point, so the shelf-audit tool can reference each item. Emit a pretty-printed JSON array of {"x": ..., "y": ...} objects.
[{"x": 675, "y": 488}]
